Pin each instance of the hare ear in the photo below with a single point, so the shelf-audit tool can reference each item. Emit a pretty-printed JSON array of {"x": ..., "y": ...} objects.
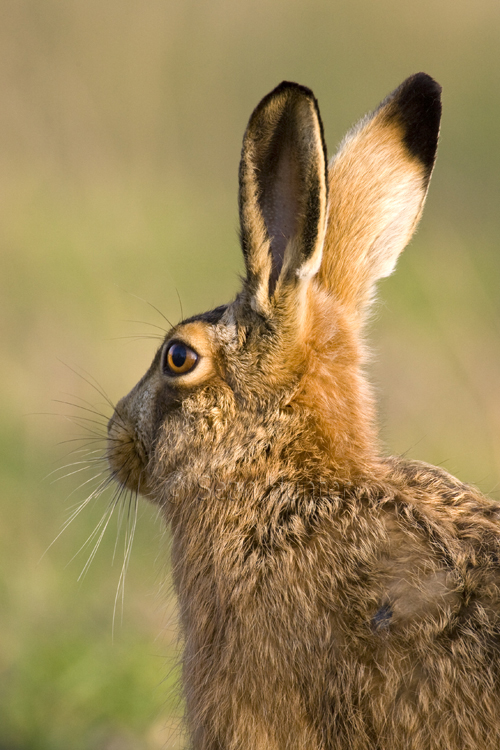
[
  {"x": 283, "y": 193},
  {"x": 378, "y": 182}
]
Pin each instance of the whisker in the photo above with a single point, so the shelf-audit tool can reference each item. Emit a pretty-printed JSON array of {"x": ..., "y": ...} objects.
[
  {"x": 147, "y": 323},
  {"x": 96, "y": 476},
  {"x": 84, "y": 451},
  {"x": 83, "y": 408},
  {"x": 85, "y": 464},
  {"x": 139, "y": 337},
  {"x": 104, "y": 522},
  {"x": 72, "y": 473},
  {"x": 119, "y": 524},
  {"x": 94, "y": 494},
  {"x": 90, "y": 430},
  {"x": 100, "y": 527},
  {"x": 85, "y": 421},
  {"x": 129, "y": 539},
  {"x": 180, "y": 302},
  {"x": 90, "y": 380},
  {"x": 99, "y": 439},
  {"x": 146, "y": 302},
  {"x": 74, "y": 419},
  {"x": 84, "y": 402}
]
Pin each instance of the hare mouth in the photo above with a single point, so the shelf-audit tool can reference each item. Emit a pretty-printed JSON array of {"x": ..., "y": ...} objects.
[{"x": 127, "y": 457}]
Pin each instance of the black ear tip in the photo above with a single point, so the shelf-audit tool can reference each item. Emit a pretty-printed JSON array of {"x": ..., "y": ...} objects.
[
  {"x": 423, "y": 83},
  {"x": 416, "y": 104}
]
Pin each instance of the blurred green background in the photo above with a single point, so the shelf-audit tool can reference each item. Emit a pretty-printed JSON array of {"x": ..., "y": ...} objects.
[{"x": 120, "y": 130}]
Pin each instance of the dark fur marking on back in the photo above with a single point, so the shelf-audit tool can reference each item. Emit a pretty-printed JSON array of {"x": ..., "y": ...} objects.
[{"x": 381, "y": 620}]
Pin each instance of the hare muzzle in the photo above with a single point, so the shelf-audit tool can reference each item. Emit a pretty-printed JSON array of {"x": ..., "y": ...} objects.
[{"x": 130, "y": 439}]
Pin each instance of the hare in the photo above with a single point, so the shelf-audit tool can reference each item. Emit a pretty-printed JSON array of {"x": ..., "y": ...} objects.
[{"x": 330, "y": 597}]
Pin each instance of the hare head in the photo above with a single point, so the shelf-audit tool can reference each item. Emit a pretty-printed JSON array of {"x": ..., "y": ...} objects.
[{"x": 272, "y": 383}]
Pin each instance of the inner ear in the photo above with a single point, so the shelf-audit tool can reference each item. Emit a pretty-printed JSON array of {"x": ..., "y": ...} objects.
[
  {"x": 279, "y": 191},
  {"x": 283, "y": 193}
]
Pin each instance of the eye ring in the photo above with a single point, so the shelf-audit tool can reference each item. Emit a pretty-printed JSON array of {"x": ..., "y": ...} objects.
[{"x": 178, "y": 358}]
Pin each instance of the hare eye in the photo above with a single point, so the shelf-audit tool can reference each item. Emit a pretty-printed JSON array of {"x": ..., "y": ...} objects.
[{"x": 178, "y": 359}]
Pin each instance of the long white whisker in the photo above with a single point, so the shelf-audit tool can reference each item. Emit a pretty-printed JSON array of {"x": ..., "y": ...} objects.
[
  {"x": 86, "y": 461},
  {"x": 87, "y": 481},
  {"x": 129, "y": 539},
  {"x": 101, "y": 526},
  {"x": 121, "y": 511},
  {"x": 89, "y": 441},
  {"x": 95, "y": 493},
  {"x": 88, "y": 465}
]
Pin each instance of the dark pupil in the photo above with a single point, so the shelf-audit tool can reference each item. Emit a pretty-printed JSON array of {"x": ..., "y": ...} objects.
[{"x": 178, "y": 353}]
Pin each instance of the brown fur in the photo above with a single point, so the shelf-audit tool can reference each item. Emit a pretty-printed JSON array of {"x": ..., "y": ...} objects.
[{"x": 330, "y": 598}]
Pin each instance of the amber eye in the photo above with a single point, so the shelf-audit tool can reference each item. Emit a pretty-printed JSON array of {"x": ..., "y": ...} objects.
[{"x": 178, "y": 359}]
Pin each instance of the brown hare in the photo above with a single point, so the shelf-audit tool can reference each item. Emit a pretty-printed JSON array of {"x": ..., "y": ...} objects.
[{"x": 330, "y": 597}]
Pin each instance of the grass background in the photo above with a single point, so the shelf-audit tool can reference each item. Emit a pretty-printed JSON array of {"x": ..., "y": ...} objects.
[{"x": 120, "y": 130}]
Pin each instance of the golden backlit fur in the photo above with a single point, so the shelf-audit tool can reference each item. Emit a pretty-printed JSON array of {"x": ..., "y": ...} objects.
[
  {"x": 376, "y": 197},
  {"x": 330, "y": 598}
]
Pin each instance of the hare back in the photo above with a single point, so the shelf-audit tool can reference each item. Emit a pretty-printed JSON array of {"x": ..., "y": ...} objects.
[{"x": 342, "y": 616}]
